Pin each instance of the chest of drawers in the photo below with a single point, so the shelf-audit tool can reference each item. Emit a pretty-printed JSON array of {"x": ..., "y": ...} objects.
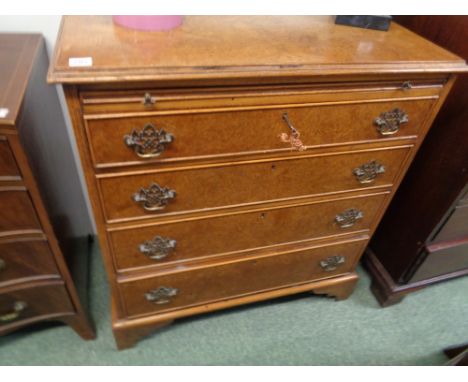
[
  {"x": 35, "y": 283},
  {"x": 237, "y": 159}
]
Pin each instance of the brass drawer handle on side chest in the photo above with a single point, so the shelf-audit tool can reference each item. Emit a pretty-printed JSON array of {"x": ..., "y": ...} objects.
[
  {"x": 332, "y": 263},
  {"x": 149, "y": 142},
  {"x": 161, "y": 295},
  {"x": 349, "y": 217},
  {"x": 368, "y": 172},
  {"x": 157, "y": 248},
  {"x": 154, "y": 198},
  {"x": 18, "y": 307},
  {"x": 388, "y": 123}
]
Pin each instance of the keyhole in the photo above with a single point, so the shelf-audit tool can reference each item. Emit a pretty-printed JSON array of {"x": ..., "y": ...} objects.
[
  {"x": 263, "y": 215},
  {"x": 273, "y": 166}
]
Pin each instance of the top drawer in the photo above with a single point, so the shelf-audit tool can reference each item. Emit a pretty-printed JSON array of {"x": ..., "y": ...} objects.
[{"x": 121, "y": 132}]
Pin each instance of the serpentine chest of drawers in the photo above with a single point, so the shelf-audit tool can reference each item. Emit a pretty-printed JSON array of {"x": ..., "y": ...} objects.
[
  {"x": 35, "y": 282},
  {"x": 237, "y": 159}
]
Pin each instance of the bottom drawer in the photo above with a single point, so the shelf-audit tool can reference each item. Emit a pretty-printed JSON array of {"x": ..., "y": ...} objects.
[
  {"x": 27, "y": 304},
  {"x": 224, "y": 281}
]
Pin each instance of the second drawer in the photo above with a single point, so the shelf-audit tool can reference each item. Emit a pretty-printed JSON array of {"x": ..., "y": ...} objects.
[
  {"x": 134, "y": 196},
  {"x": 183, "y": 240}
]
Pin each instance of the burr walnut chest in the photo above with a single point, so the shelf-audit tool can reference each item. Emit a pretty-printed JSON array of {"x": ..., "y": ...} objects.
[
  {"x": 35, "y": 283},
  {"x": 238, "y": 159}
]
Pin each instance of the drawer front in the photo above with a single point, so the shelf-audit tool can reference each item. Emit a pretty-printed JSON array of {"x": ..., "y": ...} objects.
[
  {"x": 195, "y": 287},
  {"x": 456, "y": 225},
  {"x": 443, "y": 260},
  {"x": 17, "y": 212},
  {"x": 8, "y": 166},
  {"x": 141, "y": 247},
  {"x": 31, "y": 304},
  {"x": 165, "y": 192},
  {"x": 217, "y": 134},
  {"x": 106, "y": 102},
  {"x": 21, "y": 260}
]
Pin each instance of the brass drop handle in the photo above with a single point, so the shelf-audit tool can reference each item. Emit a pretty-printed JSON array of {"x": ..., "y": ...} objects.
[
  {"x": 148, "y": 100},
  {"x": 348, "y": 217},
  {"x": 161, "y": 295},
  {"x": 367, "y": 172},
  {"x": 2, "y": 264},
  {"x": 157, "y": 248},
  {"x": 18, "y": 307},
  {"x": 332, "y": 263},
  {"x": 154, "y": 198},
  {"x": 149, "y": 142},
  {"x": 293, "y": 139},
  {"x": 388, "y": 123}
]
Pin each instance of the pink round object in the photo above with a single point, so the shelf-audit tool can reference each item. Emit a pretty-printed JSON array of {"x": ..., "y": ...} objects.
[{"x": 148, "y": 23}]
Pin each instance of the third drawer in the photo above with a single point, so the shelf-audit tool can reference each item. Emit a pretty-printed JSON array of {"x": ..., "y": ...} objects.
[{"x": 158, "y": 244}]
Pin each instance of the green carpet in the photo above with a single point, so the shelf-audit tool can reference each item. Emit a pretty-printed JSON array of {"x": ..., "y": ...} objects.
[{"x": 298, "y": 330}]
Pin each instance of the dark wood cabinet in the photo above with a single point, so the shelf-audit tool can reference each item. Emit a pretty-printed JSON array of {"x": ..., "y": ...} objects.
[
  {"x": 423, "y": 237},
  {"x": 35, "y": 282}
]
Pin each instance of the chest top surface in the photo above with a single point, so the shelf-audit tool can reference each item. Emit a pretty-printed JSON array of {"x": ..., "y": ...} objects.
[
  {"x": 205, "y": 47},
  {"x": 17, "y": 53}
]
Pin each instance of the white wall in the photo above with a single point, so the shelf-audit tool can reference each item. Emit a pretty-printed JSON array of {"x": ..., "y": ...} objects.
[{"x": 49, "y": 26}]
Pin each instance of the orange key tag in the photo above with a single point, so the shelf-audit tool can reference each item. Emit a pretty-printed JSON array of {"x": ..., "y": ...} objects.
[{"x": 293, "y": 139}]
